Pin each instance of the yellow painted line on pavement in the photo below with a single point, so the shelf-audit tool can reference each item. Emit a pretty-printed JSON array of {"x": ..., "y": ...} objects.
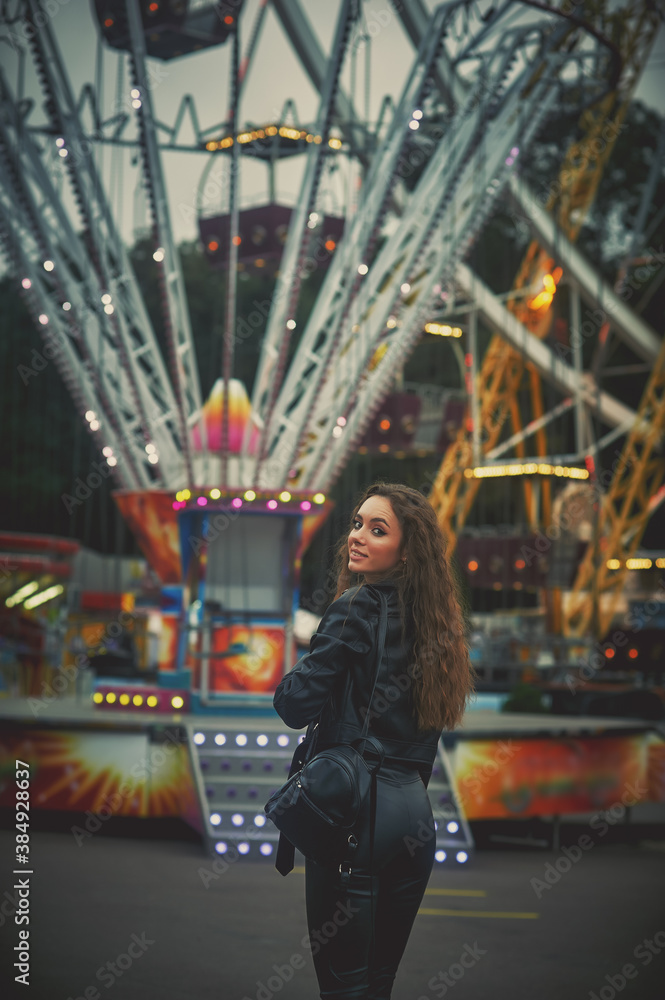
[
  {"x": 507, "y": 915},
  {"x": 300, "y": 870},
  {"x": 455, "y": 892},
  {"x": 477, "y": 893}
]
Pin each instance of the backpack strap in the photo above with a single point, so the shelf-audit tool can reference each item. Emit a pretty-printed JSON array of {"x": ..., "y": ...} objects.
[
  {"x": 383, "y": 624},
  {"x": 380, "y": 646},
  {"x": 285, "y": 855},
  {"x": 375, "y": 745}
]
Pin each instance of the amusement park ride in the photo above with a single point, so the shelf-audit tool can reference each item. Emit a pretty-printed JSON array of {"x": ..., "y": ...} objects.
[{"x": 224, "y": 495}]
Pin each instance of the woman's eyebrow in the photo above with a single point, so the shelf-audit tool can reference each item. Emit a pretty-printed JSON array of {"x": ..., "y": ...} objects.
[{"x": 359, "y": 517}]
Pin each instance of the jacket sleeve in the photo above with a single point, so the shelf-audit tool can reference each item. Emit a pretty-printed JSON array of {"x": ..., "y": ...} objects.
[{"x": 346, "y": 633}]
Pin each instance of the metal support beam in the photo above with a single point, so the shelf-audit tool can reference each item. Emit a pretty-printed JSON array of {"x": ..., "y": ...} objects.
[
  {"x": 445, "y": 213},
  {"x": 630, "y": 327},
  {"x": 65, "y": 350},
  {"x": 531, "y": 428},
  {"x": 552, "y": 369},
  {"x": 90, "y": 267},
  {"x": 287, "y": 289},
  {"x": 183, "y": 365},
  {"x": 576, "y": 338},
  {"x": 473, "y": 388},
  {"x": 229, "y": 335},
  {"x": 329, "y": 326},
  {"x": 297, "y": 26}
]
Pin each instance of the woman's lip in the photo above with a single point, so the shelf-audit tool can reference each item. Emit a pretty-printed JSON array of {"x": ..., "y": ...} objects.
[{"x": 354, "y": 554}]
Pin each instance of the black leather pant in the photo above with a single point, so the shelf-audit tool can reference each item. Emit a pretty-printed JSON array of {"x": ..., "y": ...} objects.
[{"x": 340, "y": 906}]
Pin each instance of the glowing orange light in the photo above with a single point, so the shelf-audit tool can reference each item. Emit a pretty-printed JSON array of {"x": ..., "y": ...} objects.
[
  {"x": 108, "y": 23},
  {"x": 236, "y": 241},
  {"x": 632, "y": 653},
  {"x": 472, "y": 566},
  {"x": 153, "y": 7},
  {"x": 213, "y": 246},
  {"x": 228, "y": 19},
  {"x": 384, "y": 425},
  {"x": 609, "y": 653},
  {"x": 544, "y": 298},
  {"x": 330, "y": 245},
  {"x": 519, "y": 564},
  {"x": 540, "y": 300},
  {"x": 384, "y": 447}
]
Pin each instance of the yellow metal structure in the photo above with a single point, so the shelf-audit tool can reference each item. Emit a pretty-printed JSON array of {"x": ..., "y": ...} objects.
[
  {"x": 622, "y": 516},
  {"x": 501, "y": 374}
]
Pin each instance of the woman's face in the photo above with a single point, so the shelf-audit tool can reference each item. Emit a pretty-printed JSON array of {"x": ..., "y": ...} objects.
[{"x": 375, "y": 540}]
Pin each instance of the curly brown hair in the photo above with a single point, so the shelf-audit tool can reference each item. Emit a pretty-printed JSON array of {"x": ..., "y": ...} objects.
[{"x": 443, "y": 678}]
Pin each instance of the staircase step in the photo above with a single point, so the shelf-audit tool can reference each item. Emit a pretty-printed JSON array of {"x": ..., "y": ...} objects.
[{"x": 238, "y": 764}]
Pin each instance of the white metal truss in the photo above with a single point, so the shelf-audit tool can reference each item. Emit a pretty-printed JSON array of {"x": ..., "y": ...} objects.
[
  {"x": 332, "y": 376},
  {"x": 342, "y": 281},
  {"x": 40, "y": 233},
  {"x": 287, "y": 289},
  {"x": 306, "y": 45},
  {"x": 183, "y": 365},
  {"x": 63, "y": 345},
  {"x": 142, "y": 398}
]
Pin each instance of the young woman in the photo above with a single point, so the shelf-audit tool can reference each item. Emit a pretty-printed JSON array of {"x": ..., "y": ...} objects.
[{"x": 394, "y": 546}]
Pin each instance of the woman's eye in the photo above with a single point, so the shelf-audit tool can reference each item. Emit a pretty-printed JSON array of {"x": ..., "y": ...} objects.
[
  {"x": 357, "y": 525},
  {"x": 380, "y": 531}
]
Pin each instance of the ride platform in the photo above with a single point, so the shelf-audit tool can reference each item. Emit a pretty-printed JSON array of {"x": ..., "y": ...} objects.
[{"x": 215, "y": 773}]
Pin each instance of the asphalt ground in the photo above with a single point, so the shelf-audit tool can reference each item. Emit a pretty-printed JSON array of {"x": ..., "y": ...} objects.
[{"x": 123, "y": 916}]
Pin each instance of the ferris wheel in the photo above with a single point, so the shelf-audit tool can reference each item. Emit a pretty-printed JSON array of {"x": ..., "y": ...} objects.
[{"x": 480, "y": 84}]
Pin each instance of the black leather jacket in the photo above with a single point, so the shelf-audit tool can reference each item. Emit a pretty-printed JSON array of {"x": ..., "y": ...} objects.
[{"x": 340, "y": 663}]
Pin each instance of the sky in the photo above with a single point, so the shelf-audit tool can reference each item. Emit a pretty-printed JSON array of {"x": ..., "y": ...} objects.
[{"x": 276, "y": 76}]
